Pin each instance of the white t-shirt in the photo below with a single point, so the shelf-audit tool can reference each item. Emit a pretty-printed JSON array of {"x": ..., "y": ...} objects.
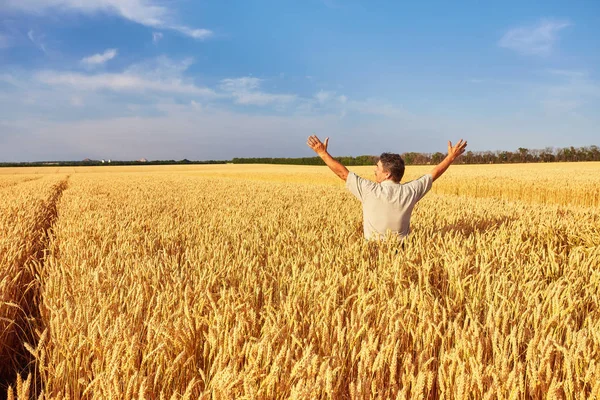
[{"x": 387, "y": 206}]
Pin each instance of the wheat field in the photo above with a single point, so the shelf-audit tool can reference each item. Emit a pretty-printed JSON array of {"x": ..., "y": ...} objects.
[{"x": 254, "y": 282}]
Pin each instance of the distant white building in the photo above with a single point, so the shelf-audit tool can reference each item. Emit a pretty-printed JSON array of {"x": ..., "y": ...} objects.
[
  {"x": 142, "y": 160},
  {"x": 102, "y": 161}
]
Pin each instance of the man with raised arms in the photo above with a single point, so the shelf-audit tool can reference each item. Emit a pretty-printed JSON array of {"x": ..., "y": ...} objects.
[{"x": 387, "y": 203}]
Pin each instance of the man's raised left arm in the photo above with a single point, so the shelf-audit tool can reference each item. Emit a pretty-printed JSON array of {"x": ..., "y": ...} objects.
[
  {"x": 453, "y": 153},
  {"x": 321, "y": 149}
]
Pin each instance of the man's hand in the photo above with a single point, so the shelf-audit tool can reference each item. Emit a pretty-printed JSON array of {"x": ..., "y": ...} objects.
[
  {"x": 457, "y": 149},
  {"x": 453, "y": 153},
  {"x": 319, "y": 147}
]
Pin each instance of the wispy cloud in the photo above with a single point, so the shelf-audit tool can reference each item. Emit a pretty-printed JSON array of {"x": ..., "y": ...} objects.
[
  {"x": 246, "y": 90},
  {"x": 99, "y": 59},
  {"x": 538, "y": 39},
  {"x": 123, "y": 82},
  {"x": 193, "y": 133},
  {"x": 199, "y": 34},
  {"x": 37, "y": 40},
  {"x": 327, "y": 101},
  {"x": 195, "y": 105},
  {"x": 156, "y": 37},
  {"x": 73, "y": 116},
  {"x": 322, "y": 96},
  {"x": 341, "y": 105},
  {"x": 240, "y": 84},
  {"x": 164, "y": 77},
  {"x": 161, "y": 75},
  {"x": 145, "y": 12}
]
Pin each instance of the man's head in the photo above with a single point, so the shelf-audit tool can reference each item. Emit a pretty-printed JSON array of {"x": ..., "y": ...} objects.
[{"x": 389, "y": 166}]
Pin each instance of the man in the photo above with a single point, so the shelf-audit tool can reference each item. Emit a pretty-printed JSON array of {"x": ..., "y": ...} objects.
[{"x": 387, "y": 204}]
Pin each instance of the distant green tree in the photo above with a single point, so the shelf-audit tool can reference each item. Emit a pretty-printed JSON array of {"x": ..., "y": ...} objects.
[
  {"x": 437, "y": 158},
  {"x": 523, "y": 153}
]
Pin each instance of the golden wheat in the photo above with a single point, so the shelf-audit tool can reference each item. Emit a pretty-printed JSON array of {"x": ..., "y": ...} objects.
[
  {"x": 24, "y": 211},
  {"x": 233, "y": 282}
]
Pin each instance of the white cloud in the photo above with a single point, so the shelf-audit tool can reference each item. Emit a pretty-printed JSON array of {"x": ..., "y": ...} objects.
[
  {"x": 140, "y": 11},
  {"x": 261, "y": 98},
  {"x": 144, "y": 12},
  {"x": 199, "y": 34},
  {"x": 37, "y": 40},
  {"x": 180, "y": 131},
  {"x": 160, "y": 75},
  {"x": 163, "y": 77},
  {"x": 323, "y": 96},
  {"x": 121, "y": 82},
  {"x": 240, "y": 84},
  {"x": 534, "y": 40},
  {"x": 67, "y": 121},
  {"x": 156, "y": 37},
  {"x": 327, "y": 101},
  {"x": 99, "y": 59},
  {"x": 246, "y": 91},
  {"x": 163, "y": 69}
]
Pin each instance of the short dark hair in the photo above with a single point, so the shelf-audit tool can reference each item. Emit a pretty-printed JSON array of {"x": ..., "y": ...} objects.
[{"x": 394, "y": 164}]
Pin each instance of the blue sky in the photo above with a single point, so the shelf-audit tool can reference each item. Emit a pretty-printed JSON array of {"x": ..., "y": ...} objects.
[{"x": 207, "y": 79}]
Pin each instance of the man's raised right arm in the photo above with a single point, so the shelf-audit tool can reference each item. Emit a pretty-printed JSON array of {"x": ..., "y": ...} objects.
[
  {"x": 321, "y": 149},
  {"x": 453, "y": 153}
]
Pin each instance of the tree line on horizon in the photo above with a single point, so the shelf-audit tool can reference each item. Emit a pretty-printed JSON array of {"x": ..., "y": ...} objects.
[{"x": 522, "y": 155}]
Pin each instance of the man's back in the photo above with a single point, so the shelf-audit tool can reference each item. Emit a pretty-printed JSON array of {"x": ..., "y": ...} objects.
[{"x": 387, "y": 206}]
